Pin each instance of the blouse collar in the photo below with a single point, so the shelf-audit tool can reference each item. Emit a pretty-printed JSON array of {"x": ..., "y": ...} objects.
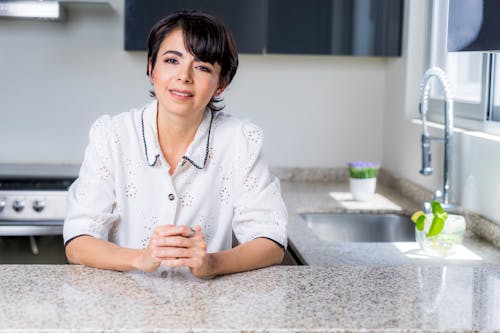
[{"x": 197, "y": 152}]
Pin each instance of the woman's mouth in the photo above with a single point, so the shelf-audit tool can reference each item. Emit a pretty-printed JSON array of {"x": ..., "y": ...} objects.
[{"x": 181, "y": 93}]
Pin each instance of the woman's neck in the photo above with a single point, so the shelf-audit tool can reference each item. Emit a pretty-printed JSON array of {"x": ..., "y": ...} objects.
[{"x": 175, "y": 134}]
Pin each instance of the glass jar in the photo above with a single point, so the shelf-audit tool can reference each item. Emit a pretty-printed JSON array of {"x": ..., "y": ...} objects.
[{"x": 443, "y": 244}]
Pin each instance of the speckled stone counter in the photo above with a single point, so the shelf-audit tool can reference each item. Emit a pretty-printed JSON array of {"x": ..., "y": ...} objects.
[
  {"x": 333, "y": 196},
  {"x": 338, "y": 298},
  {"x": 349, "y": 287}
]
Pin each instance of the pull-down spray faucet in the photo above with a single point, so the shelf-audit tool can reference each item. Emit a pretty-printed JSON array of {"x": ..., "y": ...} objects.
[{"x": 439, "y": 74}]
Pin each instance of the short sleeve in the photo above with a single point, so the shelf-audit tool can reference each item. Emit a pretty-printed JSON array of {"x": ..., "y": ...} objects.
[
  {"x": 259, "y": 208},
  {"x": 91, "y": 197}
]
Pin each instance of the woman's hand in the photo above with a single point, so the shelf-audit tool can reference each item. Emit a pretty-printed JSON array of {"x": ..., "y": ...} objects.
[
  {"x": 147, "y": 262},
  {"x": 175, "y": 246}
]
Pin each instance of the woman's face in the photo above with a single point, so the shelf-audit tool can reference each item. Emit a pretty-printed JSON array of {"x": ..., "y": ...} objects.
[{"x": 182, "y": 83}]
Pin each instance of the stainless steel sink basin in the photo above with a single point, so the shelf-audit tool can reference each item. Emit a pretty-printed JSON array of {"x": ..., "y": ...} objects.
[{"x": 341, "y": 228}]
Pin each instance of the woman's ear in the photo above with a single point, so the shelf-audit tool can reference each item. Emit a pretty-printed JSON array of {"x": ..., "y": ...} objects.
[{"x": 219, "y": 91}]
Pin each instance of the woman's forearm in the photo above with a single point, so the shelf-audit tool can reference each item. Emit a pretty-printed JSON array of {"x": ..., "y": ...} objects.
[
  {"x": 255, "y": 254},
  {"x": 90, "y": 251}
]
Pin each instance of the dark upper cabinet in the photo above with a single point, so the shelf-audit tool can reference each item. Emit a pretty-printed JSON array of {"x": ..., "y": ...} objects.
[
  {"x": 299, "y": 27},
  {"x": 244, "y": 18},
  {"x": 343, "y": 27}
]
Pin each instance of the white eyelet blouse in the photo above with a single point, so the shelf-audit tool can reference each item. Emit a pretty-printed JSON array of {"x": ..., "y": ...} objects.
[{"x": 222, "y": 183}]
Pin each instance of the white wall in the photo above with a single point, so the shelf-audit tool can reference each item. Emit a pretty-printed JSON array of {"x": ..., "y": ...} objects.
[
  {"x": 56, "y": 78},
  {"x": 315, "y": 111},
  {"x": 476, "y": 159}
]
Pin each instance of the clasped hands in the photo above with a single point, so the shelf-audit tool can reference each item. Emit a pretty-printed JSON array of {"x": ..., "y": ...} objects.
[{"x": 177, "y": 246}]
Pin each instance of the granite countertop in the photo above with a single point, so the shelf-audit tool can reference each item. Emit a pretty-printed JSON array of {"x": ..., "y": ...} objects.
[
  {"x": 348, "y": 287},
  {"x": 334, "y": 196},
  {"x": 339, "y": 298}
]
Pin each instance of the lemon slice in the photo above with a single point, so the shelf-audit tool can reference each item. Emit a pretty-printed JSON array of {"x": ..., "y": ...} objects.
[{"x": 416, "y": 215}]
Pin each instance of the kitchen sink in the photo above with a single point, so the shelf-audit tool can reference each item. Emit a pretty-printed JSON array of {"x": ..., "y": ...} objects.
[{"x": 342, "y": 228}]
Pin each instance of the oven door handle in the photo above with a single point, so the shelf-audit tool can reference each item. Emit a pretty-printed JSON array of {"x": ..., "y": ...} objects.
[{"x": 28, "y": 228}]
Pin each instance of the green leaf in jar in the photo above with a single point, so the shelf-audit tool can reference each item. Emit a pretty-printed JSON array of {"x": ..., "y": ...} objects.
[
  {"x": 436, "y": 226},
  {"x": 420, "y": 223},
  {"x": 437, "y": 208}
]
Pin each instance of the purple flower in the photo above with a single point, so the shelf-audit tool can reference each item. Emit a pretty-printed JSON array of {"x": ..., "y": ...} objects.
[
  {"x": 360, "y": 169},
  {"x": 363, "y": 165}
]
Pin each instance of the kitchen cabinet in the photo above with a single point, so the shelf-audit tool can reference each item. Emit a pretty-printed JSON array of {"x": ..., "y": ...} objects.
[
  {"x": 18, "y": 250},
  {"x": 292, "y": 256},
  {"x": 320, "y": 27},
  {"x": 339, "y": 27},
  {"x": 244, "y": 17}
]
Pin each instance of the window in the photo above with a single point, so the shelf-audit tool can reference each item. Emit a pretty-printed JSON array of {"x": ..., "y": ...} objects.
[
  {"x": 495, "y": 116},
  {"x": 473, "y": 76}
]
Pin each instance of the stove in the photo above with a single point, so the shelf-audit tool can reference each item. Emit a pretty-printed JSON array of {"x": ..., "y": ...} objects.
[
  {"x": 32, "y": 212},
  {"x": 33, "y": 198}
]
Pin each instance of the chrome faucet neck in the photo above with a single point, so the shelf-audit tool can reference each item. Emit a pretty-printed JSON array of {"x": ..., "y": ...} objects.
[{"x": 440, "y": 75}]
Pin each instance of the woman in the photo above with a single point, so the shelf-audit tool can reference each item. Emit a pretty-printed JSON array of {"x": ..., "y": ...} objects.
[{"x": 167, "y": 184}]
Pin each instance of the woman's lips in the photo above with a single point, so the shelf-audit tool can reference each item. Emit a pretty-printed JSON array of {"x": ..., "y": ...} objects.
[{"x": 181, "y": 93}]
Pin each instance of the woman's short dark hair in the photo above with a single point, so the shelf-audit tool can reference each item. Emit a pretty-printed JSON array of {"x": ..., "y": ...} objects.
[{"x": 206, "y": 37}]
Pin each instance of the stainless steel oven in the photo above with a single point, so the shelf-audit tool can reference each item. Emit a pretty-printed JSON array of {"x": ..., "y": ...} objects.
[{"x": 32, "y": 212}]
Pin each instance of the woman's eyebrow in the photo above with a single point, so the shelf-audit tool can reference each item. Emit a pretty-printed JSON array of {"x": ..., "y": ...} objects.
[
  {"x": 204, "y": 61},
  {"x": 177, "y": 53}
]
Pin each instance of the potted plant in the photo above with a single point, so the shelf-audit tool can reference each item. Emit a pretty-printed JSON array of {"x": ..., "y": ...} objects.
[
  {"x": 363, "y": 179},
  {"x": 438, "y": 233}
]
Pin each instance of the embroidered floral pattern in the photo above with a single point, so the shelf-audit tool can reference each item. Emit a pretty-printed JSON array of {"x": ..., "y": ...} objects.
[
  {"x": 187, "y": 200},
  {"x": 207, "y": 226},
  {"x": 131, "y": 166},
  {"x": 224, "y": 195},
  {"x": 255, "y": 136},
  {"x": 98, "y": 224},
  {"x": 103, "y": 173},
  {"x": 81, "y": 194},
  {"x": 224, "y": 192},
  {"x": 130, "y": 191},
  {"x": 145, "y": 241},
  {"x": 250, "y": 183},
  {"x": 211, "y": 155}
]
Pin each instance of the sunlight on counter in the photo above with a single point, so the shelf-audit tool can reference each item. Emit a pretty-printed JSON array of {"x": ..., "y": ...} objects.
[
  {"x": 377, "y": 202},
  {"x": 412, "y": 250}
]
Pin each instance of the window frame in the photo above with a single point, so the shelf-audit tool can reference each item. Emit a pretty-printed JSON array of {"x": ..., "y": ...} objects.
[{"x": 483, "y": 116}]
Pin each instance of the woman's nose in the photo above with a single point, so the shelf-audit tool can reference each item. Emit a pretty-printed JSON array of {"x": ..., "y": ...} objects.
[{"x": 184, "y": 74}]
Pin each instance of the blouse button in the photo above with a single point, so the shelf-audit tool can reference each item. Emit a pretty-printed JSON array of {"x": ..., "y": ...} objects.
[{"x": 171, "y": 197}]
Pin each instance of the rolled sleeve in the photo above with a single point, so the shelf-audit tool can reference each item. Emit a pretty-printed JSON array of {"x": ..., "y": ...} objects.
[
  {"x": 91, "y": 199},
  {"x": 259, "y": 208}
]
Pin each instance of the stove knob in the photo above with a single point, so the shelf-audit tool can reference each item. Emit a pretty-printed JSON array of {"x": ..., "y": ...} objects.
[
  {"x": 38, "y": 205},
  {"x": 3, "y": 202},
  {"x": 18, "y": 205}
]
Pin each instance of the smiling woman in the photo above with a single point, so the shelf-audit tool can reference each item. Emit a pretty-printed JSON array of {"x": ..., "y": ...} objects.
[{"x": 152, "y": 176}]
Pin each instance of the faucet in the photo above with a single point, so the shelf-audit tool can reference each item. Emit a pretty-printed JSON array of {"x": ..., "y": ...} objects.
[{"x": 426, "y": 170}]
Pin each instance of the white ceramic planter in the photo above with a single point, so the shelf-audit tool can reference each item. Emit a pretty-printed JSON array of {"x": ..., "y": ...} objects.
[{"x": 362, "y": 189}]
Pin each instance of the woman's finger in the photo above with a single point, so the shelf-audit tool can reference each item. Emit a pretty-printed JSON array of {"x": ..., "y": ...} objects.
[
  {"x": 174, "y": 230},
  {"x": 173, "y": 241},
  {"x": 182, "y": 262},
  {"x": 172, "y": 252}
]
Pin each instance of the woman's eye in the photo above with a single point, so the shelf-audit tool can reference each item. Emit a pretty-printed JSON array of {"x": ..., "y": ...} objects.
[
  {"x": 171, "y": 61},
  {"x": 205, "y": 69}
]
